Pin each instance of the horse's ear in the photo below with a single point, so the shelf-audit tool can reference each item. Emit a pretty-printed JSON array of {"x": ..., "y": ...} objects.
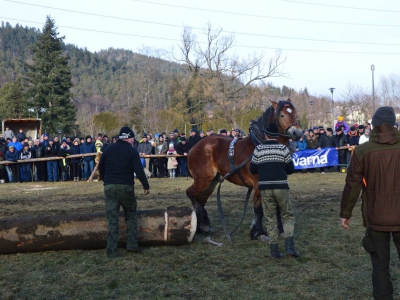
[
  {"x": 288, "y": 99},
  {"x": 274, "y": 103}
]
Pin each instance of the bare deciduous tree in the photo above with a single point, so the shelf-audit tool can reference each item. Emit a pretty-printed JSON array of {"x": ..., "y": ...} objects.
[
  {"x": 229, "y": 76},
  {"x": 356, "y": 104},
  {"x": 389, "y": 90}
]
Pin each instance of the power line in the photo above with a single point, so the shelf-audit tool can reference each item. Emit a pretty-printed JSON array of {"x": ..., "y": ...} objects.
[
  {"x": 347, "y": 7},
  {"x": 263, "y": 16},
  {"x": 197, "y": 28},
  {"x": 242, "y": 46},
  {"x": 99, "y": 31}
]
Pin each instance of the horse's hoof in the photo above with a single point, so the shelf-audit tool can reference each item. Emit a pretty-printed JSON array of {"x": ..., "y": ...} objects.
[
  {"x": 263, "y": 238},
  {"x": 205, "y": 229}
]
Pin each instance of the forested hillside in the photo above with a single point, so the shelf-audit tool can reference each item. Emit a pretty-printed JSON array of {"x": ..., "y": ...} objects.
[{"x": 148, "y": 93}]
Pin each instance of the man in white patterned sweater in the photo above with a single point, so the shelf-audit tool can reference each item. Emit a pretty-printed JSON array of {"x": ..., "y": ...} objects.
[{"x": 272, "y": 162}]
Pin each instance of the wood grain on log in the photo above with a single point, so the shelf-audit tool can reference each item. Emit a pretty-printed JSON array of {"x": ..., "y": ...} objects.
[{"x": 159, "y": 227}]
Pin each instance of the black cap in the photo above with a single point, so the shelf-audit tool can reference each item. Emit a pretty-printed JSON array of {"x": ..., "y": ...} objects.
[
  {"x": 352, "y": 128},
  {"x": 223, "y": 131},
  {"x": 126, "y": 133},
  {"x": 360, "y": 126},
  {"x": 272, "y": 130},
  {"x": 321, "y": 128},
  {"x": 26, "y": 145},
  {"x": 183, "y": 139},
  {"x": 329, "y": 129}
]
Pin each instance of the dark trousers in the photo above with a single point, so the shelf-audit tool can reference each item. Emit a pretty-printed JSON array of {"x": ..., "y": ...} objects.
[
  {"x": 183, "y": 164},
  {"x": 40, "y": 171},
  {"x": 27, "y": 169},
  {"x": 159, "y": 165},
  {"x": 342, "y": 158},
  {"x": 75, "y": 169},
  {"x": 15, "y": 172},
  {"x": 151, "y": 165},
  {"x": 115, "y": 196},
  {"x": 377, "y": 244}
]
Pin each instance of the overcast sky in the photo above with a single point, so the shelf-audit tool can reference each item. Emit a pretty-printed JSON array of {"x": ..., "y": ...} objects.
[{"x": 325, "y": 43}]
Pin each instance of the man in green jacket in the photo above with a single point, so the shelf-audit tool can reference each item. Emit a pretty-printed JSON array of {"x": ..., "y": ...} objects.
[{"x": 374, "y": 169}]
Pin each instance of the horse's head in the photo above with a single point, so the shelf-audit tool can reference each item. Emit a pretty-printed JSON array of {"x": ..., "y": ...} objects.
[{"x": 285, "y": 117}]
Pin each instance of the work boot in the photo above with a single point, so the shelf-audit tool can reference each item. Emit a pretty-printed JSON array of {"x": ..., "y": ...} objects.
[
  {"x": 289, "y": 247},
  {"x": 275, "y": 253}
]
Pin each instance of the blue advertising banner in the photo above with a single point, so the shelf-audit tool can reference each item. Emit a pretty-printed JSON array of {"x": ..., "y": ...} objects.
[{"x": 315, "y": 158}]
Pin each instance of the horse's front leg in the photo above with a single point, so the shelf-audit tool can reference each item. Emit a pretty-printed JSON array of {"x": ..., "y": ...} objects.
[{"x": 203, "y": 222}]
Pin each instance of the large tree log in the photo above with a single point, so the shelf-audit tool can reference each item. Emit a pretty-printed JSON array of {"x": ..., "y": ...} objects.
[{"x": 159, "y": 227}]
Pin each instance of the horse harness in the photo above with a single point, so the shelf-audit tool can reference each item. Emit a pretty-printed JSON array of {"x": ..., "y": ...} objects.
[
  {"x": 234, "y": 169},
  {"x": 256, "y": 133}
]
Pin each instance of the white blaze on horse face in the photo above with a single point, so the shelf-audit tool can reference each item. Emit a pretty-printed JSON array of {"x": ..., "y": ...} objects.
[{"x": 289, "y": 110}]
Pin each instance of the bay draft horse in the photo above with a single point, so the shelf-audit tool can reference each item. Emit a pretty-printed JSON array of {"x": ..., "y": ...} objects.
[{"x": 208, "y": 162}]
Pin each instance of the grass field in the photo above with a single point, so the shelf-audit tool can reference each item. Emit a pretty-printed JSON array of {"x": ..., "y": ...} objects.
[{"x": 333, "y": 264}]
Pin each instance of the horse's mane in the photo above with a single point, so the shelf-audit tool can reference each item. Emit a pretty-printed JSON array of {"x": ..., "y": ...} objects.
[{"x": 258, "y": 126}]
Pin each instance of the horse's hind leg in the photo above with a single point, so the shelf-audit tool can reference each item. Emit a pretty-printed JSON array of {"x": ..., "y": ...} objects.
[{"x": 199, "y": 193}]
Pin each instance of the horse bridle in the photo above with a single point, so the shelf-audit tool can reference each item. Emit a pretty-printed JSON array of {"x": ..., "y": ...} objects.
[{"x": 285, "y": 131}]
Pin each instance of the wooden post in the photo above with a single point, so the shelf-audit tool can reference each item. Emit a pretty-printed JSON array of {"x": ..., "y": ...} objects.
[{"x": 158, "y": 227}]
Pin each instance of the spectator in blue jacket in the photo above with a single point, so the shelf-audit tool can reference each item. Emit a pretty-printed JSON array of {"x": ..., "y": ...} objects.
[
  {"x": 12, "y": 169},
  {"x": 16, "y": 144},
  {"x": 302, "y": 144},
  {"x": 88, "y": 147}
]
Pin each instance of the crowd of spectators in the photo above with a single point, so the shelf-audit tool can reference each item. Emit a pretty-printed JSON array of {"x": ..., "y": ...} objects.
[
  {"x": 18, "y": 147},
  {"x": 344, "y": 139}
]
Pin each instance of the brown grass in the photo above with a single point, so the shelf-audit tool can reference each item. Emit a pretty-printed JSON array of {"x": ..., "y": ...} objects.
[{"x": 333, "y": 263}]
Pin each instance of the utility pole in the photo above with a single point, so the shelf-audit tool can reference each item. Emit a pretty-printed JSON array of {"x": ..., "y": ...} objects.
[
  {"x": 332, "y": 89},
  {"x": 373, "y": 90}
]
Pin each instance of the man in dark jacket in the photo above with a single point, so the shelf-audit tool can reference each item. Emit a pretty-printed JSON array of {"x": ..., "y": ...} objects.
[
  {"x": 20, "y": 135},
  {"x": 274, "y": 188},
  {"x": 352, "y": 140},
  {"x": 341, "y": 141},
  {"x": 183, "y": 149},
  {"x": 52, "y": 165},
  {"x": 145, "y": 148},
  {"x": 374, "y": 170},
  {"x": 39, "y": 173},
  {"x": 326, "y": 140},
  {"x": 194, "y": 138},
  {"x": 117, "y": 165},
  {"x": 88, "y": 161}
]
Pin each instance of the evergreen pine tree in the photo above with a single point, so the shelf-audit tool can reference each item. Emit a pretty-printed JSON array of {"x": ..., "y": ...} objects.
[
  {"x": 49, "y": 79},
  {"x": 12, "y": 104}
]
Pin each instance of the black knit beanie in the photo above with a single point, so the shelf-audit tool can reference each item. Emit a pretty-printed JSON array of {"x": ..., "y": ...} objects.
[
  {"x": 384, "y": 115},
  {"x": 272, "y": 131}
]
